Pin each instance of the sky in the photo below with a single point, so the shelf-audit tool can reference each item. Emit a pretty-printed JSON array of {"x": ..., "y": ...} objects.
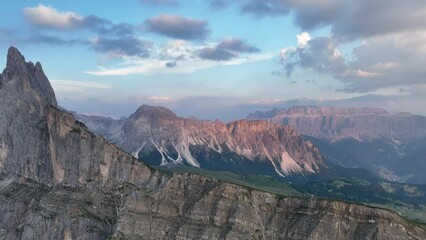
[{"x": 222, "y": 59}]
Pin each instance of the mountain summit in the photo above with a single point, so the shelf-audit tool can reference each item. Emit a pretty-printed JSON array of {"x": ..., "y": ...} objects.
[{"x": 24, "y": 77}]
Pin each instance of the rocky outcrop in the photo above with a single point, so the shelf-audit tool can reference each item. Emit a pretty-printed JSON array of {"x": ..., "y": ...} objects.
[
  {"x": 205, "y": 209},
  {"x": 334, "y": 124},
  {"x": 26, "y": 77},
  {"x": 53, "y": 171},
  {"x": 262, "y": 147},
  {"x": 59, "y": 181}
]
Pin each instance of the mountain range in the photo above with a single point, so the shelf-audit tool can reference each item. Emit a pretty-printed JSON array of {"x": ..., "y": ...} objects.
[
  {"x": 391, "y": 146},
  {"x": 159, "y": 137},
  {"x": 249, "y": 151},
  {"x": 60, "y": 181}
]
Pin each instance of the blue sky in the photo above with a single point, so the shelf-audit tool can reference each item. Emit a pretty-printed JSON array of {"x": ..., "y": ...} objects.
[{"x": 223, "y": 58}]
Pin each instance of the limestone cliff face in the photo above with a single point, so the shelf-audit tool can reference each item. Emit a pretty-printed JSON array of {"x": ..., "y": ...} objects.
[
  {"x": 278, "y": 150},
  {"x": 202, "y": 208},
  {"x": 334, "y": 123},
  {"x": 59, "y": 181}
]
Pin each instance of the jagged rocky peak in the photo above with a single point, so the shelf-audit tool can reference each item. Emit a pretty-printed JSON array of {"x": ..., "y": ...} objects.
[
  {"x": 25, "y": 76},
  {"x": 40, "y": 142},
  {"x": 14, "y": 58}
]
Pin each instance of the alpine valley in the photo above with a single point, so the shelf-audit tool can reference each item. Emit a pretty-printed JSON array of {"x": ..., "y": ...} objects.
[
  {"x": 60, "y": 181},
  {"x": 337, "y": 158}
]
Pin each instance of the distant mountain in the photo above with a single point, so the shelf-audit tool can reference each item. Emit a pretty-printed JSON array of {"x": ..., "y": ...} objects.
[
  {"x": 390, "y": 145},
  {"x": 159, "y": 137},
  {"x": 334, "y": 123}
]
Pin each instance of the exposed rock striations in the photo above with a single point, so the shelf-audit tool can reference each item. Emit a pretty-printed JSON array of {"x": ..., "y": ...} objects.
[
  {"x": 334, "y": 123},
  {"x": 158, "y": 136},
  {"x": 59, "y": 181}
]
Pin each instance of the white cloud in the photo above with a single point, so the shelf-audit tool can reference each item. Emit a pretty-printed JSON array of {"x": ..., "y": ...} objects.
[
  {"x": 386, "y": 65},
  {"x": 189, "y": 65},
  {"x": 161, "y": 99},
  {"x": 77, "y": 86},
  {"x": 399, "y": 90},
  {"x": 46, "y": 16},
  {"x": 360, "y": 73},
  {"x": 303, "y": 39}
]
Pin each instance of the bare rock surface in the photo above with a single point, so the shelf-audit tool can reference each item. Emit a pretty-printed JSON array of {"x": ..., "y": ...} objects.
[
  {"x": 279, "y": 150},
  {"x": 335, "y": 123},
  {"x": 60, "y": 181}
]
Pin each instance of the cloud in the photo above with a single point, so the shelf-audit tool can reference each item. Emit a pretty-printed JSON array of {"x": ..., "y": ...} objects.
[
  {"x": 303, "y": 39},
  {"x": 161, "y": 99},
  {"x": 320, "y": 54},
  {"x": 48, "y": 17},
  {"x": 236, "y": 45},
  {"x": 350, "y": 19},
  {"x": 171, "y": 64},
  {"x": 49, "y": 40},
  {"x": 178, "y": 27},
  {"x": 7, "y": 31},
  {"x": 190, "y": 65},
  {"x": 116, "y": 40},
  {"x": 216, "y": 54},
  {"x": 128, "y": 46},
  {"x": 384, "y": 62},
  {"x": 227, "y": 49},
  {"x": 218, "y": 4},
  {"x": 106, "y": 27},
  {"x": 261, "y": 8},
  {"x": 389, "y": 39},
  {"x": 161, "y": 2},
  {"x": 8, "y": 35},
  {"x": 390, "y": 61},
  {"x": 81, "y": 87},
  {"x": 179, "y": 56},
  {"x": 379, "y": 17},
  {"x": 14, "y": 37}
]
